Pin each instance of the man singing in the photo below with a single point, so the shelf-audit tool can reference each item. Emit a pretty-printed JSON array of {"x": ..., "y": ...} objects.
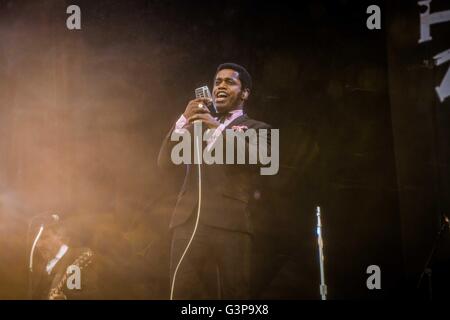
[{"x": 211, "y": 259}]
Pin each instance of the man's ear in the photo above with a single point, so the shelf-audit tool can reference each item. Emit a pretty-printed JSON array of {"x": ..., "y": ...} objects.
[{"x": 245, "y": 94}]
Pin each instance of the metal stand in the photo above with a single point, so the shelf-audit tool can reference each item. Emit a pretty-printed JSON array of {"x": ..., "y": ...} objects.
[
  {"x": 323, "y": 286},
  {"x": 427, "y": 269}
]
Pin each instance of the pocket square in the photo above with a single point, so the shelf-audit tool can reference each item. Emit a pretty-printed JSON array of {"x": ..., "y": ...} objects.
[{"x": 239, "y": 128}]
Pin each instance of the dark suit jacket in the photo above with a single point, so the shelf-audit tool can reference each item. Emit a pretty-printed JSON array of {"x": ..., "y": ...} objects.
[{"x": 226, "y": 188}]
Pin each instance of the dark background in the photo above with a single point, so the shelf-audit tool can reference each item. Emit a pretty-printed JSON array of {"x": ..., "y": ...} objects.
[{"x": 362, "y": 133}]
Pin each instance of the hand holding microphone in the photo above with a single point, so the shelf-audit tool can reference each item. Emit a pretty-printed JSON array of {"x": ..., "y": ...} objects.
[
  {"x": 196, "y": 106},
  {"x": 197, "y": 110}
]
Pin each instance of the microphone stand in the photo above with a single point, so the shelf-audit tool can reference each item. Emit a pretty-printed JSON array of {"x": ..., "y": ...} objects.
[
  {"x": 427, "y": 270},
  {"x": 323, "y": 286}
]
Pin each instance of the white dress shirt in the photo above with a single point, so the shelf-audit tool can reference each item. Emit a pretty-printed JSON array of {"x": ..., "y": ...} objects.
[
  {"x": 62, "y": 251},
  {"x": 182, "y": 122}
]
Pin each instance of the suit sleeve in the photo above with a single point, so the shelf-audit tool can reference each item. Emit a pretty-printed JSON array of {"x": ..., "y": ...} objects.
[
  {"x": 165, "y": 150},
  {"x": 164, "y": 156}
]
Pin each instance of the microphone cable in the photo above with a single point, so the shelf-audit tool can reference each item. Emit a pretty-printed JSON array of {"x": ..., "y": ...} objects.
[
  {"x": 202, "y": 92},
  {"x": 197, "y": 147}
]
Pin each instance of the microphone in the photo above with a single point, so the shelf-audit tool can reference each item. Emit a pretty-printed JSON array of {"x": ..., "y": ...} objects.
[{"x": 203, "y": 92}]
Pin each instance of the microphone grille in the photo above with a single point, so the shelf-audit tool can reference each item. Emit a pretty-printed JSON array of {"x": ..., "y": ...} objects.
[{"x": 203, "y": 92}]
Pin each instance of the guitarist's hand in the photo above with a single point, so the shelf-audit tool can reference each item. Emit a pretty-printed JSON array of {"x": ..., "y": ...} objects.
[{"x": 57, "y": 296}]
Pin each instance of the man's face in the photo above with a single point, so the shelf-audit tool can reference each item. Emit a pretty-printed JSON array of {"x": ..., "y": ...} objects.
[{"x": 227, "y": 91}]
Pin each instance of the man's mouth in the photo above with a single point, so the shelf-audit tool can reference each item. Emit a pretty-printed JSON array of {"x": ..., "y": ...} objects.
[{"x": 221, "y": 96}]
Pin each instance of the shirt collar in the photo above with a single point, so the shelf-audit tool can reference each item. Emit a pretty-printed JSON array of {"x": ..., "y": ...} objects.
[
  {"x": 62, "y": 251},
  {"x": 238, "y": 112},
  {"x": 233, "y": 115}
]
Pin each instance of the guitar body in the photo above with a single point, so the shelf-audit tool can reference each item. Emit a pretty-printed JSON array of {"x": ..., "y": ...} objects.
[{"x": 57, "y": 291}]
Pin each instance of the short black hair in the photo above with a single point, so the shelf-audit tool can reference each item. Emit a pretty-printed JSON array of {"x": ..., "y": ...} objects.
[{"x": 244, "y": 76}]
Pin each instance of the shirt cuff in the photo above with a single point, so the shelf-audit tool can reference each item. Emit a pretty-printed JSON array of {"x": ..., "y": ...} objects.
[{"x": 181, "y": 122}]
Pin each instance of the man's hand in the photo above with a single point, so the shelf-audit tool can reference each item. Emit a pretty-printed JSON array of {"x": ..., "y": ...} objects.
[
  {"x": 196, "y": 106},
  {"x": 206, "y": 118}
]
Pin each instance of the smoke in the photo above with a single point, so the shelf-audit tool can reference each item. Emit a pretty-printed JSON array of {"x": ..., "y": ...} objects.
[{"x": 79, "y": 135}]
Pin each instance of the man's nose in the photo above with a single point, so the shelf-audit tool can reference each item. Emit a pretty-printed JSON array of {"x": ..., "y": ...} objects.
[{"x": 222, "y": 85}]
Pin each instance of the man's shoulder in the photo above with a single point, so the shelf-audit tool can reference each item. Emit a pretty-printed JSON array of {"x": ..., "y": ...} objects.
[{"x": 255, "y": 124}]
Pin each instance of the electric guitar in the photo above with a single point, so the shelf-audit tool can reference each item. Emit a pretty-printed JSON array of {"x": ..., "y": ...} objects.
[{"x": 57, "y": 292}]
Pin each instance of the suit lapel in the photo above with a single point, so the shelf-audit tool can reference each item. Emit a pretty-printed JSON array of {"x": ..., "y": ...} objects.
[{"x": 237, "y": 121}]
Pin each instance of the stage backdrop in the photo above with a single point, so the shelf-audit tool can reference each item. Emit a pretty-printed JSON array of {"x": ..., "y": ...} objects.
[{"x": 82, "y": 115}]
